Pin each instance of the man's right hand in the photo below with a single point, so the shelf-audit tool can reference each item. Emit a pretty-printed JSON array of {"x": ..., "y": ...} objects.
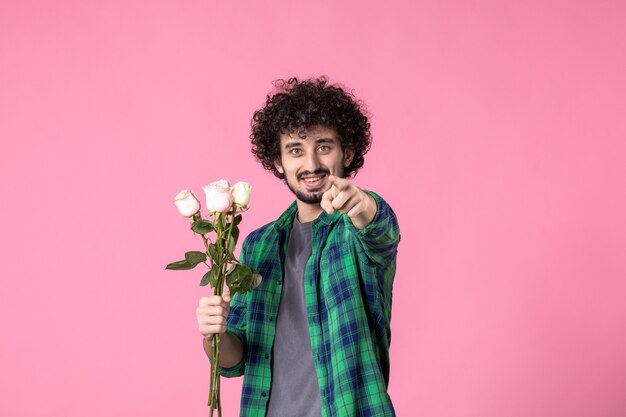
[{"x": 212, "y": 313}]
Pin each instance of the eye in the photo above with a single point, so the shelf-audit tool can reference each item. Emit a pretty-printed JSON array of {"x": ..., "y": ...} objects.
[
  {"x": 324, "y": 148},
  {"x": 295, "y": 151}
]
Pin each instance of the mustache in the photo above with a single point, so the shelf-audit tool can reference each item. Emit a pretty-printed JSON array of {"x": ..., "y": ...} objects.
[{"x": 316, "y": 172}]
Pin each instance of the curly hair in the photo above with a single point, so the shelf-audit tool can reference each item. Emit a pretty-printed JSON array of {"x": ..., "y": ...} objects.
[{"x": 296, "y": 106}]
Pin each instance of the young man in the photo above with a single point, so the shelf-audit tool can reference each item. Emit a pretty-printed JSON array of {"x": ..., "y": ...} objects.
[{"x": 313, "y": 338}]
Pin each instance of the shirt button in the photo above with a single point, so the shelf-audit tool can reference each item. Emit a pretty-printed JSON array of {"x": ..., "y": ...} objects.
[
  {"x": 264, "y": 394},
  {"x": 279, "y": 282},
  {"x": 267, "y": 356},
  {"x": 271, "y": 318}
]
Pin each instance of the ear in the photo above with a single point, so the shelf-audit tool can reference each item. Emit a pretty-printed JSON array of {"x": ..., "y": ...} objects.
[
  {"x": 348, "y": 156},
  {"x": 279, "y": 166}
]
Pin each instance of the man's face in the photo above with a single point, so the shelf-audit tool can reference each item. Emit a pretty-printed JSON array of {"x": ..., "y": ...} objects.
[{"x": 306, "y": 162}]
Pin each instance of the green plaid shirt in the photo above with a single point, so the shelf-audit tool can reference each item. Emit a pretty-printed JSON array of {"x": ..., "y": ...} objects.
[{"x": 347, "y": 284}]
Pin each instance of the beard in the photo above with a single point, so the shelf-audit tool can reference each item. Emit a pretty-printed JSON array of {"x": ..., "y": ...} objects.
[
  {"x": 312, "y": 197},
  {"x": 309, "y": 198}
]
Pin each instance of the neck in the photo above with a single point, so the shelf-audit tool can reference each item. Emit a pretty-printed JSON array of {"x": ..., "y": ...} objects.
[{"x": 308, "y": 212}]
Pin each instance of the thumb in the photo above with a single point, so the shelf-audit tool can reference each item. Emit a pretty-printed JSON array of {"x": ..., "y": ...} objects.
[{"x": 226, "y": 295}]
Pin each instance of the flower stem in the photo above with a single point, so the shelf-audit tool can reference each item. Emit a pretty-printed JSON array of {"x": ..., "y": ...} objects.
[{"x": 220, "y": 263}]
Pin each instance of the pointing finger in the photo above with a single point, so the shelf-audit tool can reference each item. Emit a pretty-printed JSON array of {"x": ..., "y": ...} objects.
[{"x": 340, "y": 183}]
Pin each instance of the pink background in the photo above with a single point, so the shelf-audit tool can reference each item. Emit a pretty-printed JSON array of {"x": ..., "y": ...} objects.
[{"x": 500, "y": 135}]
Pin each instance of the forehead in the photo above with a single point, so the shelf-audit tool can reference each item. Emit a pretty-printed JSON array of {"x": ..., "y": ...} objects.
[{"x": 310, "y": 135}]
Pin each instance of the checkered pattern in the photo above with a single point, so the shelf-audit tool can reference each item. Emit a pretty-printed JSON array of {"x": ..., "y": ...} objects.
[{"x": 347, "y": 282}]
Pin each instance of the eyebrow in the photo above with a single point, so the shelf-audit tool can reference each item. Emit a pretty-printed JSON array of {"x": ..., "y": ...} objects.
[{"x": 294, "y": 144}]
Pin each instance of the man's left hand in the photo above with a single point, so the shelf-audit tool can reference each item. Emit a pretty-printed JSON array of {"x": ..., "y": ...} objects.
[{"x": 347, "y": 198}]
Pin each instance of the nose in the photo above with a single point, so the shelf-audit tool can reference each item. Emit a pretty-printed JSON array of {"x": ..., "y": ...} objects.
[{"x": 312, "y": 162}]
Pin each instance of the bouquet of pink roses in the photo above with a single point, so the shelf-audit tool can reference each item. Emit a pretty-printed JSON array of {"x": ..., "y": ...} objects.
[{"x": 224, "y": 205}]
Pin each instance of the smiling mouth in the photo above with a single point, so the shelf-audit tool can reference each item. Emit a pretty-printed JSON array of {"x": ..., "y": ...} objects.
[{"x": 313, "y": 182}]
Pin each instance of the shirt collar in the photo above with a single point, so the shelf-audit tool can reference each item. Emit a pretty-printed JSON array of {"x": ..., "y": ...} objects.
[{"x": 285, "y": 220}]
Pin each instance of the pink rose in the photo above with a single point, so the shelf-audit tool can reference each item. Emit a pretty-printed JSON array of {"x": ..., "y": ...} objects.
[
  {"x": 218, "y": 197},
  {"x": 187, "y": 203}
]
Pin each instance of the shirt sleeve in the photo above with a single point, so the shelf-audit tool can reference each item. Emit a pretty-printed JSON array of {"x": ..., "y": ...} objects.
[
  {"x": 380, "y": 238},
  {"x": 236, "y": 324}
]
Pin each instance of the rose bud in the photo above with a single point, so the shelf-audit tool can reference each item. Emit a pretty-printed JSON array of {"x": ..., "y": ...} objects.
[
  {"x": 220, "y": 184},
  {"x": 218, "y": 197},
  {"x": 241, "y": 192},
  {"x": 187, "y": 203}
]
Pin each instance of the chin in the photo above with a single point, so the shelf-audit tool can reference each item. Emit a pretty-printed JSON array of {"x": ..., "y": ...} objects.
[{"x": 309, "y": 198}]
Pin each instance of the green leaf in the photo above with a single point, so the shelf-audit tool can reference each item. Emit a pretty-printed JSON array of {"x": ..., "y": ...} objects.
[
  {"x": 235, "y": 234},
  {"x": 255, "y": 280},
  {"x": 213, "y": 276},
  {"x": 242, "y": 279},
  {"x": 213, "y": 251},
  {"x": 236, "y": 220},
  {"x": 232, "y": 241},
  {"x": 181, "y": 265},
  {"x": 202, "y": 227},
  {"x": 233, "y": 275},
  {"x": 231, "y": 244},
  {"x": 206, "y": 279},
  {"x": 195, "y": 257}
]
